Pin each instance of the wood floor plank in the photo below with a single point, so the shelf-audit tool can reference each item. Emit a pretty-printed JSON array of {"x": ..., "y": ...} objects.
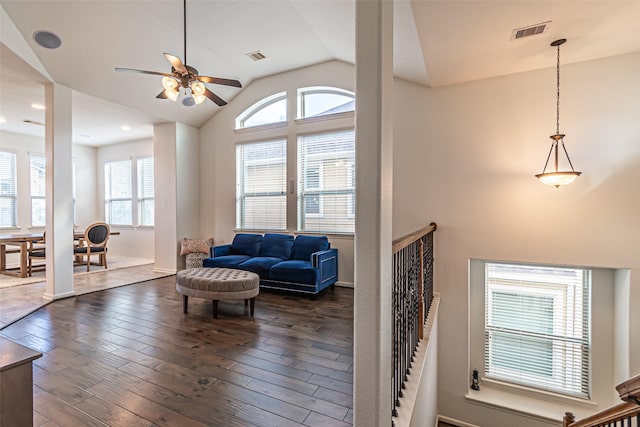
[
  {"x": 60, "y": 412},
  {"x": 299, "y": 399},
  {"x": 159, "y": 414},
  {"x": 111, "y": 414},
  {"x": 130, "y": 356}
]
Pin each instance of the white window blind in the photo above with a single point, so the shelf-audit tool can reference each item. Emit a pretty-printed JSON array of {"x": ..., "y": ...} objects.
[
  {"x": 326, "y": 185},
  {"x": 8, "y": 189},
  {"x": 537, "y": 327},
  {"x": 37, "y": 163},
  {"x": 117, "y": 185},
  {"x": 261, "y": 182},
  {"x": 145, "y": 191}
]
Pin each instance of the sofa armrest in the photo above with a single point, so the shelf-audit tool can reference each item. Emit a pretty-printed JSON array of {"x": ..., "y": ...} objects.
[
  {"x": 327, "y": 264},
  {"x": 221, "y": 250}
]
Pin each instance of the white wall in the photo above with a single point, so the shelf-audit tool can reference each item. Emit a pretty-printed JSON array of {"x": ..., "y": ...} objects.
[
  {"x": 133, "y": 241},
  {"x": 217, "y": 153},
  {"x": 465, "y": 156}
]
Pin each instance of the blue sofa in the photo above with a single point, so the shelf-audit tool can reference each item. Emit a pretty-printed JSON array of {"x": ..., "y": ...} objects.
[{"x": 304, "y": 264}]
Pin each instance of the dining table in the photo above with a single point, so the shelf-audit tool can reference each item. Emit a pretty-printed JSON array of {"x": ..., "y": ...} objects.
[{"x": 19, "y": 243}]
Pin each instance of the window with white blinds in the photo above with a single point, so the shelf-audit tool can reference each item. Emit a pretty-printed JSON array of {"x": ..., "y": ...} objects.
[
  {"x": 145, "y": 191},
  {"x": 537, "y": 327},
  {"x": 261, "y": 183},
  {"x": 326, "y": 184},
  {"x": 37, "y": 163},
  {"x": 8, "y": 189},
  {"x": 117, "y": 186}
]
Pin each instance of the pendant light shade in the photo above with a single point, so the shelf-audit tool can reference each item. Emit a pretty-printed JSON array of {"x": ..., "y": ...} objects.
[{"x": 555, "y": 176}]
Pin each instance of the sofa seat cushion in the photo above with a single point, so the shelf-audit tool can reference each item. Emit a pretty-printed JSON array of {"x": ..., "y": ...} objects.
[
  {"x": 226, "y": 261},
  {"x": 297, "y": 271},
  {"x": 260, "y": 265},
  {"x": 276, "y": 245},
  {"x": 304, "y": 246},
  {"x": 246, "y": 244}
]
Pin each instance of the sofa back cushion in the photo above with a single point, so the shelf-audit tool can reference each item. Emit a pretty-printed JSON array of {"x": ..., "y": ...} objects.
[
  {"x": 276, "y": 245},
  {"x": 246, "y": 244},
  {"x": 304, "y": 246}
]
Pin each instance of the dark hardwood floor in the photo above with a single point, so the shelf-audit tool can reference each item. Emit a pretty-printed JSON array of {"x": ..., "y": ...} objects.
[{"x": 129, "y": 357}]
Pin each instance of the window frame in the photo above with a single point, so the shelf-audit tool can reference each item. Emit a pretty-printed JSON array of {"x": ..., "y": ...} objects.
[
  {"x": 290, "y": 131},
  {"x": 14, "y": 196},
  {"x": 42, "y": 198},
  {"x": 315, "y": 90},
  {"x": 141, "y": 199},
  {"x": 258, "y": 106},
  {"x": 323, "y": 192},
  {"x": 561, "y": 294},
  {"x": 108, "y": 199},
  {"x": 242, "y": 195},
  {"x": 605, "y": 290}
]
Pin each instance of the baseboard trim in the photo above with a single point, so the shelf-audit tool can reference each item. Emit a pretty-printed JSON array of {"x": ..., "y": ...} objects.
[
  {"x": 165, "y": 270},
  {"x": 345, "y": 284},
  {"x": 454, "y": 422}
]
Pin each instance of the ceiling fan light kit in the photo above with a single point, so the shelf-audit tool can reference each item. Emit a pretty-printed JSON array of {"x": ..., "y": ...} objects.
[
  {"x": 183, "y": 76},
  {"x": 557, "y": 177}
]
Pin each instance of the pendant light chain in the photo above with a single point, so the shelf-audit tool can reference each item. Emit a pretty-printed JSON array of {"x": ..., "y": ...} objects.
[
  {"x": 184, "y": 21},
  {"x": 558, "y": 93}
]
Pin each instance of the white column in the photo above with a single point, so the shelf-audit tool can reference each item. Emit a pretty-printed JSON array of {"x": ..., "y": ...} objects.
[
  {"x": 165, "y": 175},
  {"x": 177, "y": 200},
  {"x": 374, "y": 179},
  {"x": 59, "y": 192}
]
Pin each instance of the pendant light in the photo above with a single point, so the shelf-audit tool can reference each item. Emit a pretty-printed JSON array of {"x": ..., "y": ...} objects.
[{"x": 557, "y": 177}]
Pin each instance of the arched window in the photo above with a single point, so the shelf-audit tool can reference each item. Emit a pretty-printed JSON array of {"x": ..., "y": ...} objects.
[
  {"x": 272, "y": 109},
  {"x": 323, "y": 101}
]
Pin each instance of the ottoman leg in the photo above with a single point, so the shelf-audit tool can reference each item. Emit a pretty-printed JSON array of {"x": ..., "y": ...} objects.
[
  {"x": 253, "y": 305},
  {"x": 184, "y": 303},
  {"x": 215, "y": 309}
]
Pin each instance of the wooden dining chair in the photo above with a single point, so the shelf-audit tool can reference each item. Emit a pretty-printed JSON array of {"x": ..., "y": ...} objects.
[
  {"x": 35, "y": 251},
  {"x": 94, "y": 242}
]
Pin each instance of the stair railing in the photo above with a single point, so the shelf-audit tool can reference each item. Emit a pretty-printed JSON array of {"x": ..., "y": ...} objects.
[
  {"x": 626, "y": 414},
  {"x": 411, "y": 300}
]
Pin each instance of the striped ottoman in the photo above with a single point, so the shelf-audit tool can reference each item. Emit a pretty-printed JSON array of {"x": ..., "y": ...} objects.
[{"x": 218, "y": 284}]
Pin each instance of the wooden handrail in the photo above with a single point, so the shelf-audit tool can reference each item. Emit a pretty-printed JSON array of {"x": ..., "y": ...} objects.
[
  {"x": 629, "y": 392},
  {"x": 615, "y": 413},
  {"x": 406, "y": 240}
]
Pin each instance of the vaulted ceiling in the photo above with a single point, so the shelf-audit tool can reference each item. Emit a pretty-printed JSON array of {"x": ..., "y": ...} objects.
[{"x": 435, "y": 43}]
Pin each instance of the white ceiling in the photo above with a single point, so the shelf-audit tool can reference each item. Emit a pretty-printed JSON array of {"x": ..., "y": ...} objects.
[{"x": 436, "y": 43}]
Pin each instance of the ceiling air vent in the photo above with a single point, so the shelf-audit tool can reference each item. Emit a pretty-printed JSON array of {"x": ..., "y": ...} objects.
[
  {"x": 531, "y": 30},
  {"x": 256, "y": 56}
]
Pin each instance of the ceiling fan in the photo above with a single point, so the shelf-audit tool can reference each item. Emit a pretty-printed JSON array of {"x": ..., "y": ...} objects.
[{"x": 186, "y": 77}]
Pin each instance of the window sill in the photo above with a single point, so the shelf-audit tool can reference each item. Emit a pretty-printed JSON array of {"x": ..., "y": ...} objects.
[{"x": 544, "y": 406}]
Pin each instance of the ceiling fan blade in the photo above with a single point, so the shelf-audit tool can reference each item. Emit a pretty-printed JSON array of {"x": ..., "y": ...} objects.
[
  {"x": 220, "y": 81},
  {"x": 215, "y": 98},
  {"x": 176, "y": 63},
  {"x": 162, "y": 95},
  {"x": 131, "y": 70}
]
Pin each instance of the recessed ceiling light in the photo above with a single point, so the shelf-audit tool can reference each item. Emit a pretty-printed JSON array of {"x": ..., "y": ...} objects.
[
  {"x": 47, "y": 39},
  {"x": 125, "y": 128},
  {"x": 37, "y": 106}
]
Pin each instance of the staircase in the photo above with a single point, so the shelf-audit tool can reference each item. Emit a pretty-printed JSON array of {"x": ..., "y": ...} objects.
[{"x": 626, "y": 414}]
